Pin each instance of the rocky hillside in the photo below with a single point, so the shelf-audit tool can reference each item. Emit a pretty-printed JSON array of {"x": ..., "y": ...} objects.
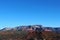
[
  {"x": 32, "y": 27},
  {"x": 30, "y": 32}
]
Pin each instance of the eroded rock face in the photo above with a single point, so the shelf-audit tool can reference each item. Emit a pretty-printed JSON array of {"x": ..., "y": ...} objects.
[
  {"x": 34, "y": 35},
  {"x": 34, "y": 32}
]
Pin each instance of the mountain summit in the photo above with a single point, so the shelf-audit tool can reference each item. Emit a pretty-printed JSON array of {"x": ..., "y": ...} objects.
[{"x": 32, "y": 27}]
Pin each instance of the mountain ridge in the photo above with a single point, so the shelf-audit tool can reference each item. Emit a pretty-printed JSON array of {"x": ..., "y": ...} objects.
[{"x": 32, "y": 27}]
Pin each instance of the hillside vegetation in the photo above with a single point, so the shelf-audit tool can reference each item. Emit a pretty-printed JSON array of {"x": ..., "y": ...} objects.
[{"x": 35, "y": 32}]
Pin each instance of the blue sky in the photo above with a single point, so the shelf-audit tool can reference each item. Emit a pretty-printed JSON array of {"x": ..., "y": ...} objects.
[{"x": 29, "y": 12}]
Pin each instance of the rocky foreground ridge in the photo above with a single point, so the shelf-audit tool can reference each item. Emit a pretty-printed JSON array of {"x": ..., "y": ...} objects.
[{"x": 30, "y": 32}]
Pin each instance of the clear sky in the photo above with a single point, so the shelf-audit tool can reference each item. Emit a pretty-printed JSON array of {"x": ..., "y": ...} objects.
[{"x": 29, "y": 12}]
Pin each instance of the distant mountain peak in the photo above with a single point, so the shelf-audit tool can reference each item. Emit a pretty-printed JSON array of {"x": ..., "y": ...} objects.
[{"x": 32, "y": 27}]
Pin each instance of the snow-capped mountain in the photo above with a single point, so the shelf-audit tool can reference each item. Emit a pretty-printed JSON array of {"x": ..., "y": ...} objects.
[
  {"x": 4, "y": 29},
  {"x": 32, "y": 27}
]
